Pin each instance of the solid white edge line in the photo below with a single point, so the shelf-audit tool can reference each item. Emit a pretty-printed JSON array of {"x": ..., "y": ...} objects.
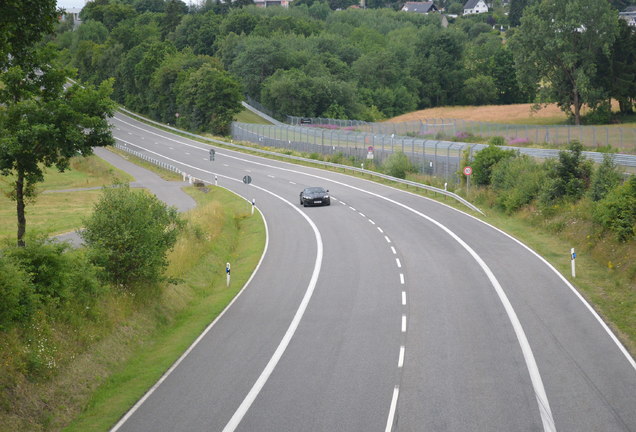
[
  {"x": 535, "y": 376},
  {"x": 249, "y": 399},
  {"x": 391, "y": 418},
  {"x": 401, "y": 357},
  {"x": 140, "y": 402},
  {"x": 621, "y": 347},
  {"x": 271, "y": 365}
]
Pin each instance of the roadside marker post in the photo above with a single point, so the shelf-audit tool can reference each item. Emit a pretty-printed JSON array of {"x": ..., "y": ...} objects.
[
  {"x": 253, "y": 205},
  {"x": 227, "y": 273},
  {"x": 216, "y": 181},
  {"x": 573, "y": 261}
]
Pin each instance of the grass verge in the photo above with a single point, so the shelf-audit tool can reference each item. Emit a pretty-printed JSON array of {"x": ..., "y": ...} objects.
[{"x": 220, "y": 230}]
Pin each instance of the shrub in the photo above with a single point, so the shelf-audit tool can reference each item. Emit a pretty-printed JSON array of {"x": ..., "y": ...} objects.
[
  {"x": 129, "y": 235},
  {"x": 517, "y": 182},
  {"x": 18, "y": 299},
  {"x": 57, "y": 274},
  {"x": 497, "y": 140},
  {"x": 605, "y": 178},
  {"x": 484, "y": 161},
  {"x": 397, "y": 165},
  {"x": 569, "y": 176},
  {"x": 617, "y": 211}
]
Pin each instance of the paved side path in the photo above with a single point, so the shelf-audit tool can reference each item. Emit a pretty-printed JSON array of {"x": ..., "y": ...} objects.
[{"x": 169, "y": 192}]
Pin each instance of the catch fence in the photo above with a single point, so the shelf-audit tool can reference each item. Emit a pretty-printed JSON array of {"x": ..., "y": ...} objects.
[{"x": 622, "y": 139}]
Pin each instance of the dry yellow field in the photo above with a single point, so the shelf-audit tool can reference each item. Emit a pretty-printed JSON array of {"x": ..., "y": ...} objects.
[{"x": 517, "y": 113}]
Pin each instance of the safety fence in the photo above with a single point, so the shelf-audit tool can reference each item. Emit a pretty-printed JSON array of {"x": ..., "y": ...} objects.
[
  {"x": 619, "y": 138},
  {"x": 431, "y": 157},
  {"x": 361, "y": 170}
]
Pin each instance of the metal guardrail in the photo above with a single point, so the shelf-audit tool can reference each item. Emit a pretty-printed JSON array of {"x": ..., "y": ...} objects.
[
  {"x": 126, "y": 148},
  {"x": 306, "y": 160}
]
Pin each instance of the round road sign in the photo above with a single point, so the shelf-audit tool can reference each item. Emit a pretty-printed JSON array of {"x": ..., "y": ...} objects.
[
  {"x": 247, "y": 179},
  {"x": 468, "y": 170}
]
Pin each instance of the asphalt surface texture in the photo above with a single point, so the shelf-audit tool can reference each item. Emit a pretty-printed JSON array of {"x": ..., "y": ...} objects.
[{"x": 385, "y": 311}]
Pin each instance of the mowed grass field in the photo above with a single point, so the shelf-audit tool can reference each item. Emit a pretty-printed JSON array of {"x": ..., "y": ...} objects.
[{"x": 63, "y": 199}]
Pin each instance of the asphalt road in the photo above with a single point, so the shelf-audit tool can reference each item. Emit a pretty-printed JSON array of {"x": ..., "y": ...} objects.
[{"x": 386, "y": 311}]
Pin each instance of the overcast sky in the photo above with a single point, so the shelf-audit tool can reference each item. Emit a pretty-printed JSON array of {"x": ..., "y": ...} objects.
[{"x": 67, "y": 4}]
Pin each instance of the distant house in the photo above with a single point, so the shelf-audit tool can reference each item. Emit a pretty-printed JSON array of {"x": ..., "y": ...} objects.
[
  {"x": 475, "y": 7},
  {"x": 420, "y": 7},
  {"x": 265, "y": 3},
  {"x": 629, "y": 15},
  {"x": 72, "y": 14}
]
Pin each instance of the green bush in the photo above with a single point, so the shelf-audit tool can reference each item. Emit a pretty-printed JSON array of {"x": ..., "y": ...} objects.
[
  {"x": 605, "y": 178},
  {"x": 617, "y": 211},
  {"x": 57, "y": 273},
  {"x": 129, "y": 235},
  {"x": 569, "y": 177},
  {"x": 485, "y": 160},
  {"x": 18, "y": 298},
  {"x": 497, "y": 141},
  {"x": 397, "y": 165},
  {"x": 517, "y": 182}
]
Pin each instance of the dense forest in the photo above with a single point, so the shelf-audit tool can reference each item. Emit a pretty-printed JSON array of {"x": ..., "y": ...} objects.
[{"x": 174, "y": 62}]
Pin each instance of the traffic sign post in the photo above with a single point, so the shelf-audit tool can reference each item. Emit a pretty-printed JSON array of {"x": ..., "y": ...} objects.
[
  {"x": 370, "y": 152},
  {"x": 468, "y": 172}
]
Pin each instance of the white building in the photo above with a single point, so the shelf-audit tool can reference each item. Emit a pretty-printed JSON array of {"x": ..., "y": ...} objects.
[
  {"x": 265, "y": 3},
  {"x": 475, "y": 7}
]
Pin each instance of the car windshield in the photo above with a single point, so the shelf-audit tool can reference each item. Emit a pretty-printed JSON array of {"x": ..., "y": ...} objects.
[{"x": 314, "y": 190}]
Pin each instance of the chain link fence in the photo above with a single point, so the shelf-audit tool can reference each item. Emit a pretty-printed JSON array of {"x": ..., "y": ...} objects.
[
  {"x": 432, "y": 157},
  {"x": 622, "y": 139}
]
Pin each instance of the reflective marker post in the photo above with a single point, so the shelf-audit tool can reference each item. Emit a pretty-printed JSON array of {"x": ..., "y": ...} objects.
[
  {"x": 573, "y": 260},
  {"x": 227, "y": 272},
  {"x": 253, "y": 205},
  {"x": 216, "y": 181}
]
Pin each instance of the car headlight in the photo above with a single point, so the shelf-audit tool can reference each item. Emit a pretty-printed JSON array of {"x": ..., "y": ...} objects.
[{"x": 326, "y": 196}]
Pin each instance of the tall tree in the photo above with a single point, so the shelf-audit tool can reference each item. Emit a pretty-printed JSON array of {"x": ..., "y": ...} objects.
[
  {"x": 43, "y": 125},
  {"x": 22, "y": 24},
  {"x": 557, "y": 47},
  {"x": 208, "y": 99},
  {"x": 516, "y": 11}
]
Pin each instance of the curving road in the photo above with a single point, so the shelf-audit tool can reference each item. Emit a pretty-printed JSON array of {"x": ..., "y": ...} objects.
[{"x": 386, "y": 311}]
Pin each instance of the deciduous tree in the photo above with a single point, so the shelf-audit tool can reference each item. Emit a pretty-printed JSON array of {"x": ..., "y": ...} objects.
[
  {"x": 557, "y": 47},
  {"x": 42, "y": 125}
]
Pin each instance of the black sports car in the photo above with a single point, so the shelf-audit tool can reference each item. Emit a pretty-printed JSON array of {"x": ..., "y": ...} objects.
[{"x": 314, "y": 196}]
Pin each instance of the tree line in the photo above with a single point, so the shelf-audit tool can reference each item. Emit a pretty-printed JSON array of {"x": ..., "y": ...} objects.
[{"x": 169, "y": 60}]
